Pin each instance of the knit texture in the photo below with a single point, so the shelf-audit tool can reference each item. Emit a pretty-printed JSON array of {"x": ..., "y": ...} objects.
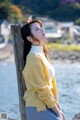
[{"x": 36, "y": 77}]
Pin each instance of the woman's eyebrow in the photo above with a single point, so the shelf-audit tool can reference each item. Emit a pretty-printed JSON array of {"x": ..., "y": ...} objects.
[{"x": 36, "y": 27}]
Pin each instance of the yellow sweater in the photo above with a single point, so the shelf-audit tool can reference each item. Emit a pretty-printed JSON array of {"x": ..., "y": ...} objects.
[{"x": 36, "y": 77}]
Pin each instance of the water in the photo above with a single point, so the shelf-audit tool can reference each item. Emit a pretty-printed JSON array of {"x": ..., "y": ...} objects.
[
  {"x": 9, "y": 99},
  {"x": 68, "y": 82}
]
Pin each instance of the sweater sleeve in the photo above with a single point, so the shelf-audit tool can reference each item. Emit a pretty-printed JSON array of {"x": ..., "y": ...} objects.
[{"x": 40, "y": 84}]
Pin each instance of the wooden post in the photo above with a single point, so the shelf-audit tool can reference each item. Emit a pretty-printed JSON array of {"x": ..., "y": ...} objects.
[{"x": 18, "y": 54}]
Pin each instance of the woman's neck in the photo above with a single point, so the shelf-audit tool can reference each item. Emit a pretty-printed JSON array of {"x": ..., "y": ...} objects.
[{"x": 37, "y": 49}]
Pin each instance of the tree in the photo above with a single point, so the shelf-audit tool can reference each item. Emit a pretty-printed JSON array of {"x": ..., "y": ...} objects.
[
  {"x": 15, "y": 14},
  {"x": 4, "y": 9},
  {"x": 10, "y": 12},
  {"x": 68, "y": 10},
  {"x": 42, "y": 7},
  {"x": 77, "y": 21}
]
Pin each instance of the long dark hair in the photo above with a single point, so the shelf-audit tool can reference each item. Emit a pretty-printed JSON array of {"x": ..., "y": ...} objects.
[{"x": 25, "y": 31}]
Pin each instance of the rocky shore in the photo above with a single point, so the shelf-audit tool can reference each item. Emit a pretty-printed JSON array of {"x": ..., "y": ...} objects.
[
  {"x": 7, "y": 54},
  {"x": 64, "y": 56}
]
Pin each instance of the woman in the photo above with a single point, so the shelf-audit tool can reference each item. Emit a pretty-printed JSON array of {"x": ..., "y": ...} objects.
[{"x": 41, "y": 101}]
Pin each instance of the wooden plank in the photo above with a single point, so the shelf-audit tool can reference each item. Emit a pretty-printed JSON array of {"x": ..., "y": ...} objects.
[{"x": 19, "y": 62}]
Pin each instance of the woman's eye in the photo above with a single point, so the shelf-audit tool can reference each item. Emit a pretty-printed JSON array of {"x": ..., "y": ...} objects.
[{"x": 37, "y": 29}]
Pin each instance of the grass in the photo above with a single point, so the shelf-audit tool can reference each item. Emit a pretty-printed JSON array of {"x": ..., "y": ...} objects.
[{"x": 63, "y": 47}]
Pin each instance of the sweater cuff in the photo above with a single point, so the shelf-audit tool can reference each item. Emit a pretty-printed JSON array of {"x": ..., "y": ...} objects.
[{"x": 51, "y": 102}]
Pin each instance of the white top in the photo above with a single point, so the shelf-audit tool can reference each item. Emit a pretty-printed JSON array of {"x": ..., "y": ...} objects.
[{"x": 39, "y": 50}]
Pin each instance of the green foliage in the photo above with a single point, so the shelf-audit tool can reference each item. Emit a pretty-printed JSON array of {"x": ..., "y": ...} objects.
[
  {"x": 63, "y": 47},
  {"x": 54, "y": 9},
  {"x": 51, "y": 8},
  {"x": 15, "y": 14},
  {"x": 4, "y": 9},
  {"x": 42, "y": 7},
  {"x": 77, "y": 21},
  {"x": 66, "y": 12},
  {"x": 7, "y": 11},
  {"x": 14, "y": 18}
]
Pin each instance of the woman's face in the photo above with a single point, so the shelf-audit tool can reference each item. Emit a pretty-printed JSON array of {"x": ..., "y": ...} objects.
[{"x": 38, "y": 32}]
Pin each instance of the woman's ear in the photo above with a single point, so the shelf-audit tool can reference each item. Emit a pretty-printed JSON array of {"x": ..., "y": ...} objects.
[{"x": 29, "y": 38}]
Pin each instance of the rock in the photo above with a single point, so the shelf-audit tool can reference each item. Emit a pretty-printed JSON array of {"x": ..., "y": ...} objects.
[
  {"x": 72, "y": 56},
  {"x": 77, "y": 116}
]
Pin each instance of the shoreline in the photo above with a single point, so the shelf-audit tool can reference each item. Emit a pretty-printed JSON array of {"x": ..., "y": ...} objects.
[
  {"x": 7, "y": 55},
  {"x": 64, "y": 56}
]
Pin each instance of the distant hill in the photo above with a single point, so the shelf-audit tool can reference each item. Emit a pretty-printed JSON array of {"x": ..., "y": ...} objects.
[
  {"x": 56, "y": 9},
  {"x": 17, "y": 2}
]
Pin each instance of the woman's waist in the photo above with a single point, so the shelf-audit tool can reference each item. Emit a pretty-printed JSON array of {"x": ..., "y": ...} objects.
[
  {"x": 30, "y": 93},
  {"x": 35, "y": 102}
]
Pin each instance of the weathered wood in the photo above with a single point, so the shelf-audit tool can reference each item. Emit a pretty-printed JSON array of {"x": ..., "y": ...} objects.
[{"x": 18, "y": 54}]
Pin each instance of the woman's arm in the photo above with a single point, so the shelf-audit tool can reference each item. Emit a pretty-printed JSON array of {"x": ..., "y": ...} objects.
[
  {"x": 61, "y": 111},
  {"x": 58, "y": 106},
  {"x": 57, "y": 111}
]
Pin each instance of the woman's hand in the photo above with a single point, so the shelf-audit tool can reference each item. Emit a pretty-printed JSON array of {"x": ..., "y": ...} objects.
[
  {"x": 58, "y": 112},
  {"x": 62, "y": 115},
  {"x": 61, "y": 111}
]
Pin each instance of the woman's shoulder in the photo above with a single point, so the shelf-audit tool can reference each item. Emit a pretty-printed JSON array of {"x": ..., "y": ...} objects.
[{"x": 33, "y": 57}]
